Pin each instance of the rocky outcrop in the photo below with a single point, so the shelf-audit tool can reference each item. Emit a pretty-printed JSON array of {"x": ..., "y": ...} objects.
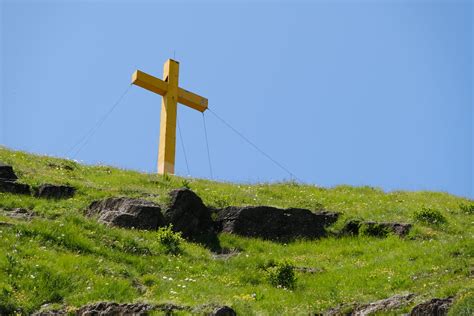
[
  {"x": 226, "y": 253},
  {"x": 8, "y": 181},
  {"x": 7, "y": 173},
  {"x": 387, "y": 304},
  {"x": 188, "y": 215},
  {"x": 107, "y": 308},
  {"x": 434, "y": 307},
  {"x": 136, "y": 309},
  {"x": 375, "y": 229},
  {"x": 53, "y": 191},
  {"x": 273, "y": 223},
  {"x": 14, "y": 187},
  {"x": 127, "y": 213},
  {"x": 223, "y": 311},
  {"x": 381, "y": 306},
  {"x": 20, "y": 213}
]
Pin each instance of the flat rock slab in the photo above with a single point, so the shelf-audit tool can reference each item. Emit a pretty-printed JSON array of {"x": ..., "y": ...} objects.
[
  {"x": 6, "y": 224},
  {"x": 136, "y": 309},
  {"x": 127, "y": 213},
  {"x": 20, "y": 213},
  {"x": 381, "y": 306},
  {"x": 14, "y": 187},
  {"x": 375, "y": 229},
  {"x": 436, "y": 307},
  {"x": 188, "y": 214},
  {"x": 309, "y": 270},
  {"x": 273, "y": 223},
  {"x": 387, "y": 304},
  {"x": 226, "y": 253},
  {"x": 105, "y": 308},
  {"x": 7, "y": 173},
  {"x": 53, "y": 191}
]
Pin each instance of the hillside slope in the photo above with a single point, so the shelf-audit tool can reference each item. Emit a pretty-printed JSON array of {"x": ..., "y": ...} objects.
[{"x": 64, "y": 259}]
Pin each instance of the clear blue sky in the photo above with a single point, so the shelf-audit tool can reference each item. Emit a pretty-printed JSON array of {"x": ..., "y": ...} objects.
[{"x": 372, "y": 93}]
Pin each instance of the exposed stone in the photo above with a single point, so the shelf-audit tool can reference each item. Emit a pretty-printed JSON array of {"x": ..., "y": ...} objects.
[
  {"x": 309, "y": 270},
  {"x": 327, "y": 217},
  {"x": 7, "y": 173},
  {"x": 52, "y": 191},
  {"x": 69, "y": 166},
  {"x": 14, "y": 187},
  {"x": 20, "y": 213},
  {"x": 377, "y": 229},
  {"x": 226, "y": 253},
  {"x": 188, "y": 215},
  {"x": 385, "y": 305},
  {"x": 127, "y": 213},
  {"x": 137, "y": 309},
  {"x": 434, "y": 307},
  {"x": 45, "y": 311},
  {"x": 8, "y": 181},
  {"x": 274, "y": 223},
  {"x": 223, "y": 311},
  {"x": 114, "y": 309},
  {"x": 107, "y": 308}
]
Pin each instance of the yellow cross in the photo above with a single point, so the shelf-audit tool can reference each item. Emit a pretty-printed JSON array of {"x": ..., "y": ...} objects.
[{"x": 172, "y": 95}]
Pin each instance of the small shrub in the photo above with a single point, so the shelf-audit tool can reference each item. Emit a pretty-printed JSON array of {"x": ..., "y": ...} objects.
[
  {"x": 282, "y": 274},
  {"x": 430, "y": 216},
  {"x": 170, "y": 240},
  {"x": 467, "y": 208}
]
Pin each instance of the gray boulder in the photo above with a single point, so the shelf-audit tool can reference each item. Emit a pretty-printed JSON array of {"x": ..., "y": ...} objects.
[
  {"x": 223, "y": 311},
  {"x": 108, "y": 308},
  {"x": 188, "y": 215},
  {"x": 14, "y": 187},
  {"x": 8, "y": 181},
  {"x": 7, "y": 173},
  {"x": 20, "y": 213},
  {"x": 127, "y": 213},
  {"x": 273, "y": 223},
  {"x": 374, "y": 308},
  {"x": 434, "y": 307},
  {"x": 53, "y": 191}
]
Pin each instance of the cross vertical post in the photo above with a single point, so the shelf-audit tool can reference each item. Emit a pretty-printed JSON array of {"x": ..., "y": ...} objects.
[
  {"x": 169, "y": 108},
  {"x": 172, "y": 94}
]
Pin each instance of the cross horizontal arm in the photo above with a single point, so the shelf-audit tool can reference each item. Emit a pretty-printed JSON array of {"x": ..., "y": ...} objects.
[
  {"x": 192, "y": 100},
  {"x": 149, "y": 82},
  {"x": 160, "y": 87}
]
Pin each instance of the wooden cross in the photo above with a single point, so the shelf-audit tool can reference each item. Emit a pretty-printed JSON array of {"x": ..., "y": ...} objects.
[{"x": 172, "y": 95}]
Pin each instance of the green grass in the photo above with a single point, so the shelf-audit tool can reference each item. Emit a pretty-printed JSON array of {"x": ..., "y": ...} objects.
[{"x": 65, "y": 259}]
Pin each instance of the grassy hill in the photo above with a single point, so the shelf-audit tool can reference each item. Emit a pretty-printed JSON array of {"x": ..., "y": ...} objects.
[{"x": 63, "y": 258}]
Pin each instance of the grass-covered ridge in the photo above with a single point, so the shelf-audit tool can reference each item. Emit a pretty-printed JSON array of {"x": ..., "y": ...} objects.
[{"x": 64, "y": 258}]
